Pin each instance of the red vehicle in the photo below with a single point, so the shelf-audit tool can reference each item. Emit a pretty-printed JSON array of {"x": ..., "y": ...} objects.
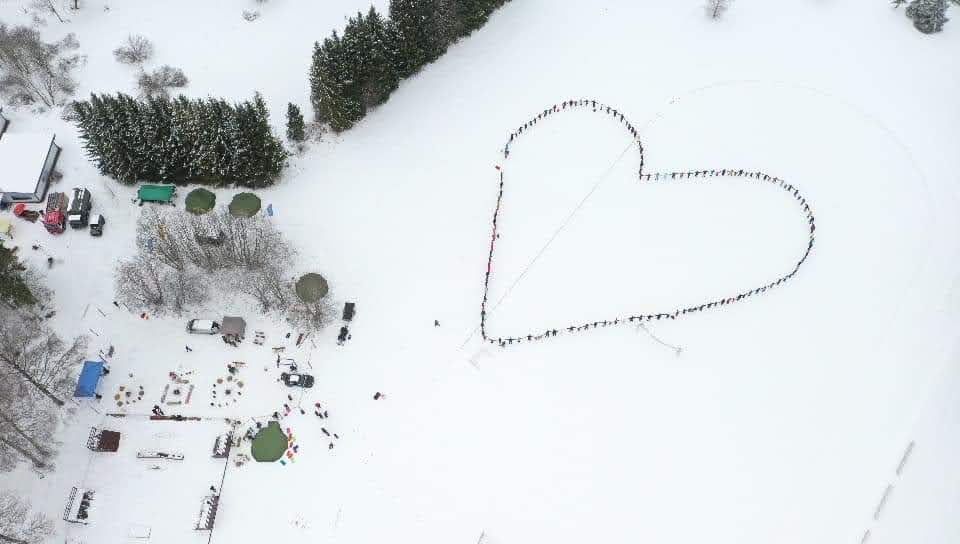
[
  {"x": 54, "y": 219},
  {"x": 21, "y": 211}
]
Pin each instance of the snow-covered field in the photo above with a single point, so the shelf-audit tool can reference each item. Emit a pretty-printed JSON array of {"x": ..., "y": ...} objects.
[{"x": 784, "y": 418}]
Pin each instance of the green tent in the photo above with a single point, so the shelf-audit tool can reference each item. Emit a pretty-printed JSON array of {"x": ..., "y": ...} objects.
[
  {"x": 244, "y": 205},
  {"x": 269, "y": 444},
  {"x": 311, "y": 288},
  {"x": 200, "y": 201},
  {"x": 156, "y": 193}
]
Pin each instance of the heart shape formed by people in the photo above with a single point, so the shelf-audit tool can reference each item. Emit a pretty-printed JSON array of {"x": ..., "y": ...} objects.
[{"x": 750, "y": 176}]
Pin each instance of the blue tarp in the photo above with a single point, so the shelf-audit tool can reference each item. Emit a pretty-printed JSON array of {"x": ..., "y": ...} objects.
[{"x": 89, "y": 378}]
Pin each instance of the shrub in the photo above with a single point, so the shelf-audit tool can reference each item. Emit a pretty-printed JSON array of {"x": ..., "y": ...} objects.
[
  {"x": 136, "y": 50},
  {"x": 161, "y": 81}
]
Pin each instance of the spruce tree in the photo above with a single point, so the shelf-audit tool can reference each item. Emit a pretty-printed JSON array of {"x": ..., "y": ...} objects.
[
  {"x": 379, "y": 77},
  {"x": 928, "y": 15},
  {"x": 295, "y": 127},
  {"x": 333, "y": 85},
  {"x": 420, "y": 33},
  {"x": 180, "y": 140},
  {"x": 14, "y": 290}
]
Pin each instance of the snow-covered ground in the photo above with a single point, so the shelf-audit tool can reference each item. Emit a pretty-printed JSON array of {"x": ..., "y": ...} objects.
[{"x": 784, "y": 418}]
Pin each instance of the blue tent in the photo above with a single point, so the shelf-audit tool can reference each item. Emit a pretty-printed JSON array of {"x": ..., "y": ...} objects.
[{"x": 89, "y": 378}]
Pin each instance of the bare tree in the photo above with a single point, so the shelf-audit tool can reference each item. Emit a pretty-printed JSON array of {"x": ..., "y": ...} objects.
[
  {"x": 183, "y": 257},
  {"x": 716, "y": 8},
  {"x": 26, "y": 433},
  {"x": 18, "y": 525},
  {"x": 161, "y": 234},
  {"x": 38, "y": 355},
  {"x": 32, "y": 70},
  {"x": 48, "y": 7},
  {"x": 27, "y": 424},
  {"x": 135, "y": 50},
  {"x": 141, "y": 282},
  {"x": 160, "y": 81}
]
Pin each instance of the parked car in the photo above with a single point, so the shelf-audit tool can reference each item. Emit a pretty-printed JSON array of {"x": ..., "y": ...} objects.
[
  {"x": 297, "y": 380},
  {"x": 96, "y": 226},
  {"x": 78, "y": 214},
  {"x": 203, "y": 326}
]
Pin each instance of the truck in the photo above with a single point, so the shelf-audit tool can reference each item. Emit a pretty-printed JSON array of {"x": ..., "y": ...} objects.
[
  {"x": 54, "y": 219},
  {"x": 78, "y": 214}
]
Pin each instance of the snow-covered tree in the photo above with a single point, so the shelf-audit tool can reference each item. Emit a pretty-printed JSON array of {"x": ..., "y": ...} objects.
[
  {"x": 27, "y": 426},
  {"x": 136, "y": 50},
  {"x": 372, "y": 41},
  {"x": 33, "y": 353},
  {"x": 356, "y": 71},
  {"x": 32, "y": 70},
  {"x": 716, "y": 8},
  {"x": 184, "y": 257},
  {"x": 295, "y": 126},
  {"x": 333, "y": 85},
  {"x": 161, "y": 81},
  {"x": 420, "y": 33},
  {"x": 19, "y": 525},
  {"x": 181, "y": 140},
  {"x": 928, "y": 16},
  {"x": 14, "y": 287}
]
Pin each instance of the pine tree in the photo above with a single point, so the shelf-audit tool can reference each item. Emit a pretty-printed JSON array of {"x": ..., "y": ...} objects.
[
  {"x": 14, "y": 290},
  {"x": 180, "y": 140},
  {"x": 461, "y": 17},
  {"x": 295, "y": 127},
  {"x": 379, "y": 77},
  {"x": 928, "y": 15},
  {"x": 333, "y": 85},
  {"x": 420, "y": 33}
]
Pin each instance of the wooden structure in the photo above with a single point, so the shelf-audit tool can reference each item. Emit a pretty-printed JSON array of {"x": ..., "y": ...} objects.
[
  {"x": 208, "y": 512},
  {"x": 78, "y": 505},
  {"x": 103, "y": 440},
  {"x": 222, "y": 445}
]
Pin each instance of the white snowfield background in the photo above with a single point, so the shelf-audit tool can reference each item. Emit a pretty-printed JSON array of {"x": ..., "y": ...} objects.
[{"x": 783, "y": 419}]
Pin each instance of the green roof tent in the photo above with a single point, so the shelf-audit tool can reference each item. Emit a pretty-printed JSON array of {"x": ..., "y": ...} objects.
[
  {"x": 269, "y": 444},
  {"x": 156, "y": 193}
]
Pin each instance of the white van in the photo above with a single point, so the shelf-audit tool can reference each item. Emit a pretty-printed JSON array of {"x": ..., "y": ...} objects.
[{"x": 203, "y": 326}]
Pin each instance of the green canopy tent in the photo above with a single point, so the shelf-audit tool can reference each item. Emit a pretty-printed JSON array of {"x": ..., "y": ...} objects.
[
  {"x": 200, "y": 201},
  {"x": 269, "y": 444},
  {"x": 311, "y": 288},
  {"x": 156, "y": 193},
  {"x": 244, "y": 205}
]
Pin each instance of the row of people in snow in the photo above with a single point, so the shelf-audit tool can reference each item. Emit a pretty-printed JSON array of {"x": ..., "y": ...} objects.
[{"x": 596, "y": 106}]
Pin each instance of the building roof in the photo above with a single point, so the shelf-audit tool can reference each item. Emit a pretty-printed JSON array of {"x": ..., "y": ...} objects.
[
  {"x": 21, "y": 161},
  {"x": 109, "y": 441},
  {"x": 233, "y": 325}
]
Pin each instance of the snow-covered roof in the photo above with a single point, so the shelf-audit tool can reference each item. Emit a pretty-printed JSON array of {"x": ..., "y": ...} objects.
[{"x": 21, "y": 161}]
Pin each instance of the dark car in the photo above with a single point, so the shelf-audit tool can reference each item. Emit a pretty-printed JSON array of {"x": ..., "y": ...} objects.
[
  {"x": 297, "y": 380},
  {"x": 78, "y": 213},
  {"x": 96, "y": 226}
]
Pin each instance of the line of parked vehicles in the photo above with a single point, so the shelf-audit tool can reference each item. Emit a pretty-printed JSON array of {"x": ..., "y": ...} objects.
[{"x": 63, "y": 209}]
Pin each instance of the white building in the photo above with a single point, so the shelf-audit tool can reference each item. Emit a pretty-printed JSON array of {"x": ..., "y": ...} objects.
[{"x": 26, "y": 162}]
